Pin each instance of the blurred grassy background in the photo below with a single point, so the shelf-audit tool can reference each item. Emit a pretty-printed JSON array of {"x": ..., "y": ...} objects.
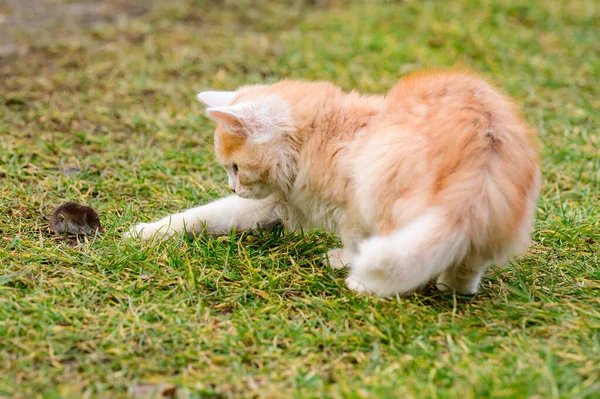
[{"x": 97, "y": 106}]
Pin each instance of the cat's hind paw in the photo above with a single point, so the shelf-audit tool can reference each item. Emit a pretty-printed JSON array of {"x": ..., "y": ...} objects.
[{"x": 355, "y": 284}]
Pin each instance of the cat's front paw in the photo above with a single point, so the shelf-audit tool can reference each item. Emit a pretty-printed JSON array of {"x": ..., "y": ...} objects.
[
  {"x": 334, "y": 259},
  {"x": 149, "y": 231}
]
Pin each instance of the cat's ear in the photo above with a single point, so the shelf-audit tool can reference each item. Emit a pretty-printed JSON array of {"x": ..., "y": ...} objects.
[
  {"x": 233, "y": 117},
  {"x": 260, "y": 120},
  {"x": 216, "y": 98}
]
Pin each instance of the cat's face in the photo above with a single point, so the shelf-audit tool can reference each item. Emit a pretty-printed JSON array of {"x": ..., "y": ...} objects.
[
  {"x": 250, "y": 138},
  {"x": 247, "y": 164}
]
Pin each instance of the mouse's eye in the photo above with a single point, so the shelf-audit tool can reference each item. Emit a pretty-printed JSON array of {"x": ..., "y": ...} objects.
[{"x": 235, "y": 168}]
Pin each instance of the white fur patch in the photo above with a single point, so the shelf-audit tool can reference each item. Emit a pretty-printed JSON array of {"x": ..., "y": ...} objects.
[{"x": 216, "y": 217}]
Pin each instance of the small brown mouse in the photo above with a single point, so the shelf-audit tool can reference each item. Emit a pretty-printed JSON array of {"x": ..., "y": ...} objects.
[{"x": 74, "y": 218}]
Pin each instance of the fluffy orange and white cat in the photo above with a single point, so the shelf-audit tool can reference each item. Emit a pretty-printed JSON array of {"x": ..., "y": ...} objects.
[{"x": 439, "y": 177}]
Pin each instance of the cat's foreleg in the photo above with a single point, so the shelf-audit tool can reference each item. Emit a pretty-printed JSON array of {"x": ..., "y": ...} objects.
[
  {"x": 338, "y": 258},
  {"x": 220, "y": 216}
]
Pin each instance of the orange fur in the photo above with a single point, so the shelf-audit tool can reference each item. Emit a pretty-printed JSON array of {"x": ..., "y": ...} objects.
[{"x": 227, "y": 144}]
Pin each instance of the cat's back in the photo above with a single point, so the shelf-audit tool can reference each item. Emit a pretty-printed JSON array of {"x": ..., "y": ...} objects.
[
  {"x": 433, "y": 86},
  {"x": 436, "y": 95},
  {"x": 441, "y": 137},
  {"x": 456, "y": 114}
]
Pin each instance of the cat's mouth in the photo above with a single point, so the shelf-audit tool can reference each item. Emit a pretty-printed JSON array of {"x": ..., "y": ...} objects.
[
  {"x": 247, "y": 193},
  {"x": 253, "y": 192}
]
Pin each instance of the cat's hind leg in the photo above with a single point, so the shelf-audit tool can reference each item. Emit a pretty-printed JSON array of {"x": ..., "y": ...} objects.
[
  {"x": 408, "y": 258},
  {"x": 464, "y": 277}
]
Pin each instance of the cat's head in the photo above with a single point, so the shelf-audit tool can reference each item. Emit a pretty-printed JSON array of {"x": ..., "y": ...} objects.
[{"x": 251, "y": 138}]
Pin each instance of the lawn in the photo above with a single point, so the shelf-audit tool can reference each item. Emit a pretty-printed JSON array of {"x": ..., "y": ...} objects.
[{"x": 106, "y": 115}]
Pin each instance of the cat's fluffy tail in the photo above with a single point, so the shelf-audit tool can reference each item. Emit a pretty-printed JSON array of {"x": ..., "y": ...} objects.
[{"x": 410, "y": 257}]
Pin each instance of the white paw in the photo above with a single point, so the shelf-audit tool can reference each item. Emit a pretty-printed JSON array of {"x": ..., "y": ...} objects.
[
  {"x": 355, "y": 284},
  {"x": 334, "y": 258},
  {"x": 149, "y": 231}
]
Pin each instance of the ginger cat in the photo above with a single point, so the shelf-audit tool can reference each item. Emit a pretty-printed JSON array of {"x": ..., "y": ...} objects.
[{"x": 439, "y": 177}]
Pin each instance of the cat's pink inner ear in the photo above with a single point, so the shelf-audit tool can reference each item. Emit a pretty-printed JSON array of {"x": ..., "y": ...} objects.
[{"x": 231, "y": 122}]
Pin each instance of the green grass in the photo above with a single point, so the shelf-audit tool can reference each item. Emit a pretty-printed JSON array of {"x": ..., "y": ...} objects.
[{"x": 107, "y": 117}]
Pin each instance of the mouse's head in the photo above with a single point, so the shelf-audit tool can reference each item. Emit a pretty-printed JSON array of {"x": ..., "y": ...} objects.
[{"x": 76, "y": 219}]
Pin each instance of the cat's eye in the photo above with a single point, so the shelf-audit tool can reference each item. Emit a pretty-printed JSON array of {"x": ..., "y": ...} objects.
[{"x": 235, "y": 168}]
